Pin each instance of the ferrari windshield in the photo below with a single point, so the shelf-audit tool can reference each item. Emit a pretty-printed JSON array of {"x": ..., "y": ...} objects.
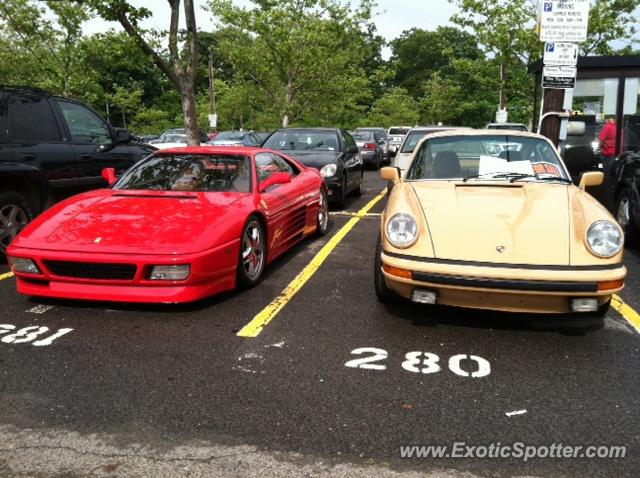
[
  {"x": 303, "y": 140},
  {"x": 198, "y": 173},
  {"x": 487, "y": 158}
]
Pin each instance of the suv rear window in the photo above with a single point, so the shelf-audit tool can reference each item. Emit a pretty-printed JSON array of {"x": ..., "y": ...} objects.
[{"x": 31, "y": 119}]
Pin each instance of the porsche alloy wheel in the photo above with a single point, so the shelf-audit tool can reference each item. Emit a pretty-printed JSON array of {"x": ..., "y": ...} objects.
[
  {"x": 252, "y": 254},
  {"x": 14, "y": 217},
  {"x": 625, "y": 218},
  {"x": 323, "y": 214}
]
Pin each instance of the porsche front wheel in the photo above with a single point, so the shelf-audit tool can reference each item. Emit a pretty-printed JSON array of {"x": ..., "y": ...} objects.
[
  {"x": 384, "y": 293},
  {"x": 252, "y": 254}
]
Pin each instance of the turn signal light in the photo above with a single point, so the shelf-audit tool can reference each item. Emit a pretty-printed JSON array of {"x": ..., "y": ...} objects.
[
  {"x": 396, "y": 271},
  {"x": 610, "y": 285}
]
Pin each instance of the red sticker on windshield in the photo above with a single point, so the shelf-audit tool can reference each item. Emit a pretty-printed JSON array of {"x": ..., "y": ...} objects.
[{"x": 546, "y": 168}]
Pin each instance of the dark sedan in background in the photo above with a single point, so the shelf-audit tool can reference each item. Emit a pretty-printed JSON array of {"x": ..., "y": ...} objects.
[
  {"x": 333, "y": 151},
  {"x": 371, "y": 148}
]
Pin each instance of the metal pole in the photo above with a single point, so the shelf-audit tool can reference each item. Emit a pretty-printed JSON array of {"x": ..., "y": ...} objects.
[{"x": 212, "y": 84}]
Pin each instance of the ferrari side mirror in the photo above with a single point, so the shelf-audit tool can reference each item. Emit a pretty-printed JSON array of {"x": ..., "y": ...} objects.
[
  {"x": 276, "y": 178},
  {"x": 109, "y": 175}
]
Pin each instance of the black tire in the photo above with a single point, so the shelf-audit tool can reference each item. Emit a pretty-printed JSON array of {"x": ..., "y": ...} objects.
[
  {"x": 247, "y": 277},
  {"x": 383, "y": 292},
  {"x": 15, "y": 214},
  {"x": 323, "y": 223},
  {"x": 342, "y": 200},
  {"x": 624, "y": 215},
  {"x": 358, "y": 189}
]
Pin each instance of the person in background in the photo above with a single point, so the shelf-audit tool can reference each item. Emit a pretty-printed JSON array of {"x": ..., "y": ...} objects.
[{"x": 607, "y": 139}]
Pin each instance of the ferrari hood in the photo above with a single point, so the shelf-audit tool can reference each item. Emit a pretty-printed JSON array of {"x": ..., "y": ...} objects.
[
  {"x": 520, "y": 223},
  {"x": 131, "y": 222}
]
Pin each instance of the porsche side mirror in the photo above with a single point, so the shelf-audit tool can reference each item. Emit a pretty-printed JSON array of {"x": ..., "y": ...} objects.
[
  {"x": 274, "y": 179},
  {"x": 390, "y": 174},
  {"x": 109, "y": 175},
  {"x": 591, "y": 179}
]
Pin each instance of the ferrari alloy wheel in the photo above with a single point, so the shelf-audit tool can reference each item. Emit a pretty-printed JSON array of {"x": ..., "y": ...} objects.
[
  {"x": 323, "y": 214},
  {"x": 625, "y": 218},
  {"x": 14, "y": 217},
  {"x": 252, "y": 254}
]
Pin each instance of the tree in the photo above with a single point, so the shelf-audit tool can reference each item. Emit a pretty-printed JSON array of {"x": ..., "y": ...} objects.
[
  {"x": 417, "y": 54},
  {"x": 49, "y": 34},
  {"x": 180, "y": 67},
  {"x": 304, "y": 56},
  {"x": 396, "y": 107}
]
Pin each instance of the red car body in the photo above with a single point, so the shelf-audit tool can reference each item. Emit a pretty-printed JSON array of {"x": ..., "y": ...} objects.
[{"x": 77, "y": 243}]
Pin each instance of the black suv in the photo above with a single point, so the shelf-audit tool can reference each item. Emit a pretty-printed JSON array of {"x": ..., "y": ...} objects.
[{"x": 51, "y": 148}]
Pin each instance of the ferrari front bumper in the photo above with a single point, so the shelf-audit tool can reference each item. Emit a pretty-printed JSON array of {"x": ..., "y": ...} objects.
[
  {"x": 505, "y": 287},
  {"x": 211, "y": 272}
]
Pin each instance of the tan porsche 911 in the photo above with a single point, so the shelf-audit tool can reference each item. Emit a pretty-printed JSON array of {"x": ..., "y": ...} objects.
[{"x": 491, "y": 220}]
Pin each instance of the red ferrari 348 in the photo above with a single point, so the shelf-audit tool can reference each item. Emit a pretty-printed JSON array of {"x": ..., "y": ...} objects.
[{"x": 179, "y": 226}]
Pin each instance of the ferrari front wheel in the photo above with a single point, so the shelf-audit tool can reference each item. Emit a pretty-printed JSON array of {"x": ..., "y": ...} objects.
[
  {"x": 323, "y": 214},
  {"x": 252, "y": 254}
]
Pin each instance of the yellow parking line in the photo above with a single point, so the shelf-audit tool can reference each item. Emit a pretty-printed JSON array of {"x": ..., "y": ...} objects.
[
  {"x": 355, "y": 214},
  {"x": 6, "y": 276},
  {"x": 260, "y": 321},
  {"x": 627, "y": 312}
]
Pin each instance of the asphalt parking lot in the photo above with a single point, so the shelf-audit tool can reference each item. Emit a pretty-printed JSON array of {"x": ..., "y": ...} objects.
[{"x": 162, "y": 377}]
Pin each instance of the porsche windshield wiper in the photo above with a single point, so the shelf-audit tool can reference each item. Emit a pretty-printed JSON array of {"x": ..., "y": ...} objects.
[
  {"x": 498, "y": 176},
  {"x": 542, "y": 178}
]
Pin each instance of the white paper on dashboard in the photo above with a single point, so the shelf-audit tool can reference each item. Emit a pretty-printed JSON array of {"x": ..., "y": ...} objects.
[{"x": 491, "y": 165}]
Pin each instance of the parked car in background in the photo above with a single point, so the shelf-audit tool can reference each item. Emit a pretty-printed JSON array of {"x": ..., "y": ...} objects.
[
  {"x": 404, "y": 155},
  {"x": 52, "y": 147},
  {"x": 236, "y": 138},
  {"x": 381, "y": 138},
  {"x": 331, "y": 150},
  {"x": 508, "y": 126},
  {"x": 175, "y": 136},
  {"x": 263, "y": 135},
  {"x": 371, "y": 148},
  {"x": 471, "y": 226},
  {"x": 623, "y": 187},
  {"x": 395, "y": 136},
  {"x": 179, "y": 226}
]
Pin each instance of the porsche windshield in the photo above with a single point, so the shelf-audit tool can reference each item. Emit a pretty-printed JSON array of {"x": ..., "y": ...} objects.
[
  {"x": 487, "y": 158},
  {"x": 414, "y": 137},
  {"x": 198, "y": 173}
]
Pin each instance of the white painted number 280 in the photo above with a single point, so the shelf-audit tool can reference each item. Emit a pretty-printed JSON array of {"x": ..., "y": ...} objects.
[
  {"x": 29, "y": 334},
  {"x": 420, "y": 362}
]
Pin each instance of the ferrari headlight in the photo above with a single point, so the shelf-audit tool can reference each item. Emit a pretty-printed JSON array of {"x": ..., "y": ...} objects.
[
  {"x": 402, "y": 231},
  {"x": 329, "y": 171},
  {"x": 605, "y": 239},
  {"x": 26, "y": 266},
  {"x": 170, "y": 273}
]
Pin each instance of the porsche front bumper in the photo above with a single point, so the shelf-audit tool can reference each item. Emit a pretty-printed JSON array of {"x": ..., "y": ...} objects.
[{"x": 505, "y": 287}]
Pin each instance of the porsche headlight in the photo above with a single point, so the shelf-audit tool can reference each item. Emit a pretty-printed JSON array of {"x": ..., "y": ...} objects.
[
  {"x": 402, "y": 231},
  {"x": 329, "y": 171},
  {"x": 605, "y": 239}
]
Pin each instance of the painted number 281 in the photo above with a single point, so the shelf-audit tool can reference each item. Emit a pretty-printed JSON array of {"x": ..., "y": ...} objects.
[
  {"x": 29, "y": 335},
  {"x": 420, "y": 362}
]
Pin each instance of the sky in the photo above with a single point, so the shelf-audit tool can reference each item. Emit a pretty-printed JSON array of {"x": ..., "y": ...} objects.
[{"x": 393, "y": 18}]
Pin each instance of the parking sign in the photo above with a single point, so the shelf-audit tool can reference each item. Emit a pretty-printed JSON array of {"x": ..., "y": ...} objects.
[{"x": 563, "y": 20}]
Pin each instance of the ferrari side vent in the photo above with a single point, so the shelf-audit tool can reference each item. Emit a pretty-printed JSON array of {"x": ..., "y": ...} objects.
[{"x": 82, "y": 270}]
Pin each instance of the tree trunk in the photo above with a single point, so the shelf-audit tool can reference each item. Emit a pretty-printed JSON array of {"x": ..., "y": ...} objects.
[
  {"x": 502, "y": 87},
  {"x": 190, "y": 113},
  {"x": 285, "y": 121}
]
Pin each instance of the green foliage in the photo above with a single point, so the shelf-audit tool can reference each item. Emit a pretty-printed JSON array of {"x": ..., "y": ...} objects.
[
  {"x": 305, "y": 57},
  {"x": 396, "y": 107}
]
